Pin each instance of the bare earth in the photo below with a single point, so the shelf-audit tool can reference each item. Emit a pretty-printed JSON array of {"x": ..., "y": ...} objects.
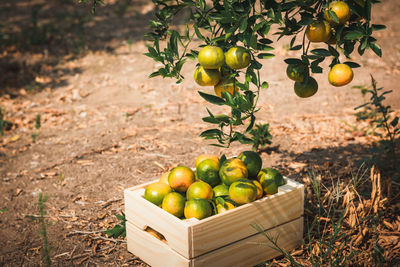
[{"x": 106, "y": 126}]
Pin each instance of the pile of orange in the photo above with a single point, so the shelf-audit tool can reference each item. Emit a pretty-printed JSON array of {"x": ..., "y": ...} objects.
[{"x": 215, "y": 186}]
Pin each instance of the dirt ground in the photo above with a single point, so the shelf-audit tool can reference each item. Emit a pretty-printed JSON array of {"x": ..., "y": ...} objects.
[{"x": 105, "y": 126}]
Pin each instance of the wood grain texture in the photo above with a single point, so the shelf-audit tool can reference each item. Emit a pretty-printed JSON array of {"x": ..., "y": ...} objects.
[
  {"x": 254, "y": 249},
  {"x": 151, "y": 250},
  {"x": 223, "y": 229}
]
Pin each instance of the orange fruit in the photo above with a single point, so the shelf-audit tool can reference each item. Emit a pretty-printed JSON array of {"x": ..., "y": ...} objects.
[
  {"x": 221, "y": 190},
  {"x": 197, "y": 208},
  {"x": 243, "y": 191},
  {"x": 270, "y": 179},
  {"x": 205, "y": 156},
  {"x": 260, "y": 190},
  {"x": 223, "y": 208},
  {"x": 181, "y": 178},
  {"x": 342, "y": 11},
  {"x": 296, "y": 72},
  {"x": 164, "y": 178},
  {"x": 225, "y": 85},
  {"x": 237, "y": 58},
  {"x": 232, "y": 170},
  {"x": 318, "y": 31},
  {"x": 306, "y": 88},
  {"x": 174, "y": 203},
  {"x": 211, "y": 57},
  {"x": 207, "y": 171},
  {"x": 340, "y": 74},
  {"x": 199, "y": 189},
  {"x": 206, "y": 77},
  {"x": 156, "y": 192},
  {"x": 252, "y": 161}
]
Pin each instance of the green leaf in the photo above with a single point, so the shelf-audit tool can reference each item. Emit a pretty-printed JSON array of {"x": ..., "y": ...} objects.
[
  {"x": 333, "y": 16},
  {"x": 352, "y": 65},
  {"x": 353, "y": 35},
  {"x": 376, "y": 48},
  {"x": 211, "y": 133},
  {"x": 321, "y": 52},
  {"x": 212, "y": 99},
  {"x": 395, "y": 121},
  {"x": 265, "y": 55},
  {"x": 297, "y": 47},
  {"x": 243, "y": 25},
  {"x": 198, "y": 33},
  {"x": 293, "y": 61},
  {"x": 378, "y": 27},
  {"x": 154, "y": 74}
]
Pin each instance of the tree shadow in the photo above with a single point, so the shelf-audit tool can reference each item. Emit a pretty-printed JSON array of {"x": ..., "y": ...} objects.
[{"x": 36, "y": 36}]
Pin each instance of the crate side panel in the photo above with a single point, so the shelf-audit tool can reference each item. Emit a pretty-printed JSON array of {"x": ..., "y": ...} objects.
[
  {"x": 143, "y": 213},
  {"x": 234, "y": 225},
  {"x": 255, "y": 249},
  {"x": 151, "y": 250}
]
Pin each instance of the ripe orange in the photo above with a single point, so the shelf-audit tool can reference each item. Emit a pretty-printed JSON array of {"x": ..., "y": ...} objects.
[
  {"x": 237, "y": 58},
  {"x": 206, "y": 77},
  {"x": 174, "y": 203},
  {"x": 340, "y": 74},
  {"x": 197, "y": 208},
  {"x": 318, "y": 31},
  {"x": 225, "y": 85},
  {"x": 221, "y": 190},
  {"x": 252, "y": 161},
  {"x": 156, "y": 192},
  {"x": 232, "y": 170},
  {"x": 207, "y": 171},
  {"x": 164, "y": 178},
  {"x": 306, "y": 88},
  {"x": 199, "y": 189},
  {"x": 203, "y": 157},
  {"x": 342, "y": 11},
  {"x": 211, "y": 57},
  {"x": 223, "y": 208},
  {"x": 243, "y": 191},
  {"x": 181, "y": 178},
  {"x": 296, "y": 72}
]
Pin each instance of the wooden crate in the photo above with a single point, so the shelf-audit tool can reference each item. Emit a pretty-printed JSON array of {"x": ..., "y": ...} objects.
[{"x": 221, "y": 240}]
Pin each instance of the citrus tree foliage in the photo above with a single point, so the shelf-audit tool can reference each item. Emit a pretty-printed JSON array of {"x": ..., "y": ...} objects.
[{"x": 248, "y": 23}]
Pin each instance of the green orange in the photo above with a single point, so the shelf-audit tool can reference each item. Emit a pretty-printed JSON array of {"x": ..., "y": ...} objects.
[
  {"x": 197, "y": 208},
  {"x": 208, "y": 171},
  {"x": 237, "y": 58},
  {"x": 174, "y": 203},
  {"x": 206, "y": 77},
  {"x": 199, "y": 189},
  {"x": 270, "y": 179},
  {"x": 221, "y": 190},
  {"x": 181, "y": 178},
  {"x": 232, "y": 170},
  {"x": 202, "y": 157},
  {"x": 307, "y": 88},
  {"x": 260, "y": 190},
  {"x": 243, "y": 191},
  {"x": 156, "y": 192},
  {"x": 252, "y": 161},
  {"x": 296, "y": 72},
  {"x": 211, "y": 57}
]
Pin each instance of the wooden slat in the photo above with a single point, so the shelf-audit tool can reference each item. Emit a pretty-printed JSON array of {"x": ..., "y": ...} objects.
[
  {"x": 255, "y": 249},
  {"x": 223, "y": 229},
  {"x": 143, "y": 213},
  {"x": 151, "y": 250}
]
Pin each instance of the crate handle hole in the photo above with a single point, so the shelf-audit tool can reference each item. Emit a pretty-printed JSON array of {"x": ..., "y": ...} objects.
[{"x": 156, "y": 234}]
